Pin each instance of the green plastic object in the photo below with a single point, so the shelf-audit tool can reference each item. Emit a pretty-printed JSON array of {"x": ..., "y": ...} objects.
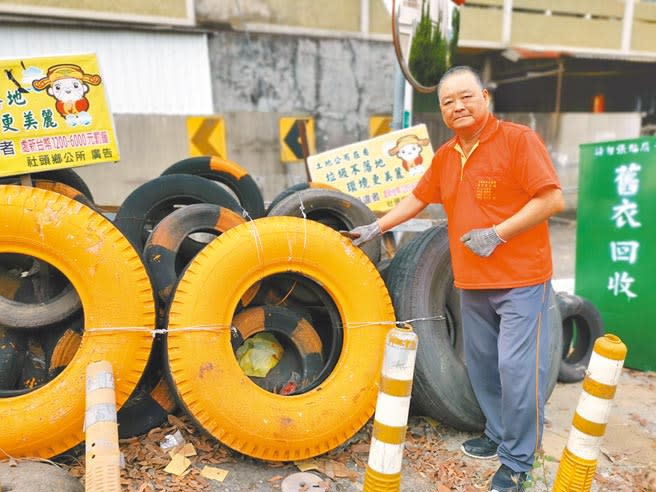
[{"x": 616, "y": 241}]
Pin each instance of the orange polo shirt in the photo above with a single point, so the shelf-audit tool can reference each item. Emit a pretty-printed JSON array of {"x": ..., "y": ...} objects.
[{"x": 507, "y": 167}]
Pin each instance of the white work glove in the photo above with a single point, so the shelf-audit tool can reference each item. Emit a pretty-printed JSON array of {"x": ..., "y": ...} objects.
[
  {"x": 482, "y": 241},
  {"x": 362, "y": 234}
]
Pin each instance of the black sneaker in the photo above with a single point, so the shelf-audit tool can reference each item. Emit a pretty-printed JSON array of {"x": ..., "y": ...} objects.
[
  {"x": 506, "y": 480},
  {"x": 481, "y": 447}
]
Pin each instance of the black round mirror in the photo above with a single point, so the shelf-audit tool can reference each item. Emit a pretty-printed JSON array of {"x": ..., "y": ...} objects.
[{"x": 425, "y": 35}]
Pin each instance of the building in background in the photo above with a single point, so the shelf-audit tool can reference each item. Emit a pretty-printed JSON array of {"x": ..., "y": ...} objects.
[{"x": 575, "y": 71}]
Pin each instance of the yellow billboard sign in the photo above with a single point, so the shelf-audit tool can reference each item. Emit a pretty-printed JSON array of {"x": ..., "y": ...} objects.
[
  {"x": 54, "y": 114},
  {"x": 380, "y": 171}
]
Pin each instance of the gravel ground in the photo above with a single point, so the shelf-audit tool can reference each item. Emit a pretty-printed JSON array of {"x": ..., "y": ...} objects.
[{"x": 432, "y": 458}]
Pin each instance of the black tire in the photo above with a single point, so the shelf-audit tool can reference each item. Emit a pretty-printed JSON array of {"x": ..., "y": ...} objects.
[
  {"x": 151, "y": 402},
  {"x": 12, "y": 357},
  {"x": 22, "y": 315},
  {"x": 163, "y": 246},
  {"x": 140, "y": 414},
  {"x": 293, "y": 189},
  {"x": 286, "y": 292},
  {"x": 66, "y": 176},
  {"x": 337, "y": 210},
  {"x": 34, "y": 373},
  {"x": 581, "y": 325},
  {"x": 382, "y": 267},
  {"x": 228, "y": 173},
  {"x": 420, "y": 282},
  {"x": 53, "y": 301},
  {"x": 148, "y": 204}
]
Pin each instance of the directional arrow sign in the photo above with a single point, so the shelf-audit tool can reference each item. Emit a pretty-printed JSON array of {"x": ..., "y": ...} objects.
[
  {"x": 291, "y": 148},
  {"x": 206, "y": 136},
  {"x": 379, "y": 125},
  {"x": 293, "y": 141}
]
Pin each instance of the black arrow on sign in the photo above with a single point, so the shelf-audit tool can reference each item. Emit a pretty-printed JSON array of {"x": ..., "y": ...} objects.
[
  {"x": 10, "y": 76},
  {"x": 293, "y": 140}
]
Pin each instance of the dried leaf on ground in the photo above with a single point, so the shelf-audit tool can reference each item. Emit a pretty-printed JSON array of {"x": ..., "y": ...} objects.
[
  {"x": 178, "y": 465},
  {"x": 180, "y": 424},
  {"x": 214, "y": 473},
  {"x": 361, "y": 448}
]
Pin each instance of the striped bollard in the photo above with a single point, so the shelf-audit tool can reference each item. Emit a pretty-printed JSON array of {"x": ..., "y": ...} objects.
[
  {"x": 103, "y": 473},
  {"x": 383, "y": 471},
  {"x": 579, "y": 461}
]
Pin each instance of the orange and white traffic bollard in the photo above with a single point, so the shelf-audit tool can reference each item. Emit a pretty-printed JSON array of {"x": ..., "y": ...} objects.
[
  {"x": 579, "y": 461},
  {"x": 103, "y": 471},
  {"x": 383, "y": 471}
]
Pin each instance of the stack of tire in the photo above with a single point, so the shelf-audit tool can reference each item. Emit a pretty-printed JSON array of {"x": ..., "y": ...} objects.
[
  {"x": 73, "y": 291},
  {"x": 194, "y": 257},
  {"x": 283, "y": 275},
  {"x": 420, "y": 281},
  {"x": 198, "y": 196},
  {"x": 290, "y": 275}
]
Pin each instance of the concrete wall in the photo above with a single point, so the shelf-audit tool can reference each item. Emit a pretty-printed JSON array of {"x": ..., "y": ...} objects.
[
  {"x": 151, "y": 143},
  {"x": 148, "y": 145},
  {"x": 340, "y": 82},
  {"x": 257, "y": 79}
]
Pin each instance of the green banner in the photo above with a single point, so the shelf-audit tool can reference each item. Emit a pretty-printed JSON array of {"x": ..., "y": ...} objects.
[{"x": 616, "y": 241}]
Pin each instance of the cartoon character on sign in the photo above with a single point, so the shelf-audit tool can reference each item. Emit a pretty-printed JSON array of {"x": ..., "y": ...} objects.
[
  {"x": 408, "y": 148},
  {"x": 68, "y": 84}
]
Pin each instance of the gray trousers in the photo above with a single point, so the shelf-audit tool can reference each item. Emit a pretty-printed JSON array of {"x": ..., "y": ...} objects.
[{"x": 507, "y": 356}]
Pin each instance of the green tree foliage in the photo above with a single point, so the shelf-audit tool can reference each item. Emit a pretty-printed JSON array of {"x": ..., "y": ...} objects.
[
  {"x": 439, "y": 52},
  {"x": 420, "y": 63},
  {"x": 455, "y": 30},
  {"x": 431, "y": 52}
]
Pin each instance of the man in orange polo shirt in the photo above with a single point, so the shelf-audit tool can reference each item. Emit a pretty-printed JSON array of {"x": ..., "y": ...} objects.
[{"x": 498, "y": 187}]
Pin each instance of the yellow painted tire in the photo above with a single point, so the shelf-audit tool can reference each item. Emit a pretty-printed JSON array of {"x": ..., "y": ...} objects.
[
  {"x": 15, "y": 314},
  {"x": 116, "y": 296},
  {"x": 65, "y": 190},
  {"x": 204, "y": 370},
  {"x": 29, "y": 314},
  {"x": 67, "y": 176}
]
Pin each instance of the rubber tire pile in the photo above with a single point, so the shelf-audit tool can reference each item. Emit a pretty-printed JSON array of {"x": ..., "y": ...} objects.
[{"x": 191, "y": 268}]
